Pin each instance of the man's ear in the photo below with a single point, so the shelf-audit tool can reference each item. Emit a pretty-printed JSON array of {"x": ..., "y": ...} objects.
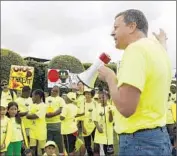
[{"x": 132, "y": 27}]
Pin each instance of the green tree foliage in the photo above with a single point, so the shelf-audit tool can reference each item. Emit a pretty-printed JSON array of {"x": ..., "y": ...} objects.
[
  {"x": 86, "y": 65},
  {"x": 40, "y": 69},
  {"x": 9, "y": 58},
  {"x": 66, "y": 62}
]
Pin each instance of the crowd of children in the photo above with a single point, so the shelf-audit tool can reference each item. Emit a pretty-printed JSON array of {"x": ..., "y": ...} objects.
[{"x": 75, "y": 124}]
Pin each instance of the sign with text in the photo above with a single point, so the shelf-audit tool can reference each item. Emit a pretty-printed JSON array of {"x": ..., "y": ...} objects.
[{"x": 21, "y": 76}]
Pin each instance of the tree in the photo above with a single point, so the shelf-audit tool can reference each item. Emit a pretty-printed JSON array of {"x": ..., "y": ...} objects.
[
  {"x": 9, "y": 58},
  {"x": 66, "y": 62},
  {"x": 40, "y": 81}
]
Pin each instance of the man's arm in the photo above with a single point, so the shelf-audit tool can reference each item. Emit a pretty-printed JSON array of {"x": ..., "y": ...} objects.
[
  {"x": 125, "y": 98},
  {"x": 57, "y": 112}
]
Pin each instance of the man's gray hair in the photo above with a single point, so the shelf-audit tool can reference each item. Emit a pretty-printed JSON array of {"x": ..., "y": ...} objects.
[{"x": 133, "y": 15}]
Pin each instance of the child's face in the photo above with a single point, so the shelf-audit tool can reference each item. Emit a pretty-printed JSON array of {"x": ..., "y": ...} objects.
[
  {"x": 12, "y": 111},
  {"x": 50, "y": 150},
  {"x": 29, "y": 154},
  {"x": 3, "y": 111}
]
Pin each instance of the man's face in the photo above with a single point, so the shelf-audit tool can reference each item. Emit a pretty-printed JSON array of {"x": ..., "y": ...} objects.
[
  {"x": 121, "y": 33},
  {"x": 50, "y": 150},
  {"x": 3, "y": 111},
  {"x": 55, "y": 92},
  {"x": 4, "y": 86}
]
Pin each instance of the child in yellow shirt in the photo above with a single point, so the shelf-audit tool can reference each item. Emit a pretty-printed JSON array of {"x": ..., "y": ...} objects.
[
  {"x": 103, "y": 119},
  {"x": 88, "y": 124},
  {"x": 50, "y": 148},
  {"x": 38, "y": 129},
  {"x": 18, "y": 131},
  {"x": 69, "y": 128},
  {"x": 6, "y": 128}
]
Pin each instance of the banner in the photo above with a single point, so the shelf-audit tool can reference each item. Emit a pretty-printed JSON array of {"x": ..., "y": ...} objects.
[
  {"x": 21, "y": 76},
  {"x": 57, "y": 77},
  {"x": 61, "y": 78}
]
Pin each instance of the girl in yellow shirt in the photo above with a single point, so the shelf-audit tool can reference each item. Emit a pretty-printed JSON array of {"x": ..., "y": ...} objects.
[
  {"x": 38, "y": 129},
  {"x": 18, "y": 131},
  {"x": 103, "y": 119},
  {"x": 88, "y": 124},
  {"x": 6, "y": 128}
]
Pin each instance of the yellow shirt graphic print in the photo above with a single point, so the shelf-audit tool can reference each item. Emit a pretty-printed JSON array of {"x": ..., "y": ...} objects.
[{"x": 88, "y": 117}]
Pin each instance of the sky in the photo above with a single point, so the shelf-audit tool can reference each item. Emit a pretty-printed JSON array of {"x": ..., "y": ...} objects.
[{"x": 46, "y": 29}]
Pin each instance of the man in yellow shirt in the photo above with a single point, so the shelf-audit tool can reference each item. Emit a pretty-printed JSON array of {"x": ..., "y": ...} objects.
[
  {"x": 140, "y": 90},
  {"x": 6, "y": 93},
  {"x": 54, "y": 107}
]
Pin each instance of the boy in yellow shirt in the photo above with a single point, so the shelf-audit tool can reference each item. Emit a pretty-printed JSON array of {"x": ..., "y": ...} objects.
[
  {"x": 103, "y": 119},
  {"x": 50, "y": 148},
  {"x": 6, "y": 128},
  {"x": 54, "y": 105}
]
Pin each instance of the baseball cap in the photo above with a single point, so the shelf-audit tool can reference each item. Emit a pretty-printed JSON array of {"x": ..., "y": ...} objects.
[
  {"x": 71, "y": 96},
  {"x": 4, "y": 103},
  {"x": 50, "y": 143}
]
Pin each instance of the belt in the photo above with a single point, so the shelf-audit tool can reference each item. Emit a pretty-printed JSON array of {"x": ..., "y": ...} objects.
[{"x": 143, "y": 130}]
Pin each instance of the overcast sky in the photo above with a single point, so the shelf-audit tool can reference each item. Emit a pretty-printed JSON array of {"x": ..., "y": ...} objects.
[{"x": 46, "y": 29}]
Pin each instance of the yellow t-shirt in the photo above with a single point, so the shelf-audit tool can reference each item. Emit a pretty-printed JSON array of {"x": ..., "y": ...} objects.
[
  {"x": 81, "y": 106},
  {"x": 107, "y": 136},
  {"x": 170, "y": 119},
  {"x": 24, "y": 106},
  {"x": 146, "y": 66},
  {"x": 69, "y": 124},
  {"x": 38, "y": 129},
  {"x": 173, "y": 108},
  {"x": 16, "y": 131},
  {"x": 6, "y": 132},
  {"x": 8, "y": 97},
  {"x": 88, "y": 117},
  {"x": 53, "y": 104}
]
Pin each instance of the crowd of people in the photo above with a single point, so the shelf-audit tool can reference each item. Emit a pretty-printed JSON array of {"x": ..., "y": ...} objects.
[
  {"x": 80, "y": 121},
  {"x": 137, "y": 106}
]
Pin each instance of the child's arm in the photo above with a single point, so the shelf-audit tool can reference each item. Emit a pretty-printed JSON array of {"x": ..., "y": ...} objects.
[
  {"x": 110, "y": 115},
  {"x": 100, "y": 130},
  {"x": 57, "y": 112},
  {"x": 8, "y": 134},
  {"x": 24, "y": 134},
  {"x": 32, "y": 116},
  {"x": 22, "y": 114},
  {"x": 63, "y": 113}
]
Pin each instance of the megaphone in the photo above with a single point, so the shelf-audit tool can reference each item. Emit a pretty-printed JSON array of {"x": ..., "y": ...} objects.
[{"x": 89, "y": 77}]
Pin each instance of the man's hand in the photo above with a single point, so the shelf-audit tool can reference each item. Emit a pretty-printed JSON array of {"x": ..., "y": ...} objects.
[
  {"x": 161, "y": 37},
  {"x": 106, "y": 74}
]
